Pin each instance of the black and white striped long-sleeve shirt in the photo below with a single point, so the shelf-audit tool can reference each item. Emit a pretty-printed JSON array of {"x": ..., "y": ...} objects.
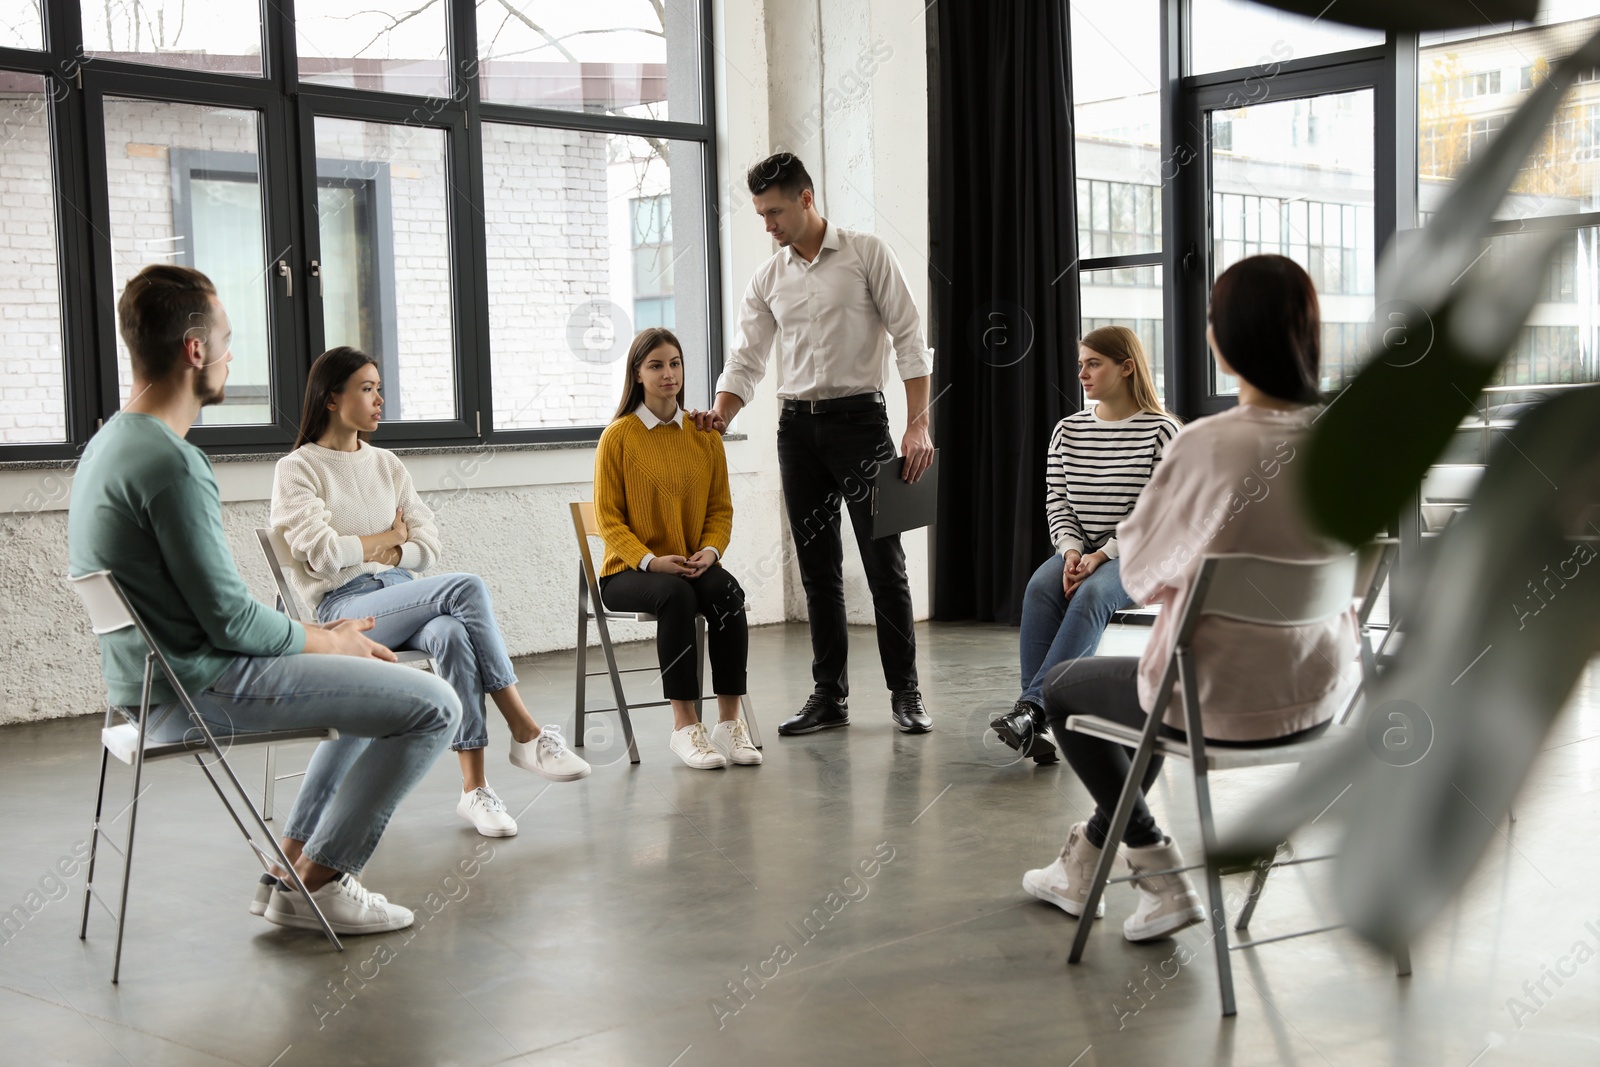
[{"x": 1094, "y": 472}]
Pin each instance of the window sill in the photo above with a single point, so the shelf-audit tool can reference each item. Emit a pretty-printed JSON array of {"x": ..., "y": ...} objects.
[{"x": 403, "y": 451}]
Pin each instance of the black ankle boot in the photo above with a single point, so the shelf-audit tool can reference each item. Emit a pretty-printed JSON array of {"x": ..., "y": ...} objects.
[{"x": 1023, "y": 728}]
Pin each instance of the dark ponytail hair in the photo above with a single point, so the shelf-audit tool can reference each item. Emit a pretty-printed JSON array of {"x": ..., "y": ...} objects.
[
  {"x": 645, "y": 343},
  {"x": 329, "y": 372},
  {"x": 1268, "y": 325}
]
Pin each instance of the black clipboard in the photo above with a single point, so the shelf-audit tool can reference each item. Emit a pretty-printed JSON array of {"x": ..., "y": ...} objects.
[{"x": 898, "y": 506}]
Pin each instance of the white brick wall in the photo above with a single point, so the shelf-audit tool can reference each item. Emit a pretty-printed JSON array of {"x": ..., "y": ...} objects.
[{"x": 32, "y": 400}]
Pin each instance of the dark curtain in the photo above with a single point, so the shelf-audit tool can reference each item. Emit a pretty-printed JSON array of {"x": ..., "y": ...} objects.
[{"x": 1005, "y": 308}]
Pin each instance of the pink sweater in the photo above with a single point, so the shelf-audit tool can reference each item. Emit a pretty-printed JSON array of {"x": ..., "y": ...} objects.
[{"x": 1230, "y": 483}]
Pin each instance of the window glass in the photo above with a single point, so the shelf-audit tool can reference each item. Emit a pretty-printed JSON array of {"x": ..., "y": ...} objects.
[
  {"x": 20, "y": 24},
  {"x": 623, "y": 57},
  {"x": 1239, "y": 35},
  {"x": 1116, "y": 111},
  {"x": 1297, "y": 180},
  {"x": 223, "y": 36},
  {"x": 385, "y": 279},
  {"x": 591, "y": 237},
  {"x": 1467, "y": 88},
  {"x": 184, "y": 187},
  {"x": 32, "y": 380},
  {"x": 1128, "y": 297},
  {"x": 362, "y": 44}
]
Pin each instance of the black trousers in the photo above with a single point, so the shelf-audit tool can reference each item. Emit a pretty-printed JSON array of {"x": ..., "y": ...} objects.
[
  {"x": 824, "y": 461},
  {"x": 675, "y": 600},
  {"x": 1108, "y": 686}
]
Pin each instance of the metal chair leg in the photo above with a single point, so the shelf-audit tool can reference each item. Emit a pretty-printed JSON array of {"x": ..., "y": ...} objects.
[
  {"x": 582, "y": 686},
  {"x": 1217, "y": 907},
  {"x": 94, "y": 836},
  {"x": 1402, "y": 961},
  {"x": 269, "y": 789},
  {"x": 1258, "y": 882},
  {"x": 616, "y": 684},
  {"x": 699, "y": 668},
  {"x": 133, "y": 814},
  {"x": 1216, "y": 911}
]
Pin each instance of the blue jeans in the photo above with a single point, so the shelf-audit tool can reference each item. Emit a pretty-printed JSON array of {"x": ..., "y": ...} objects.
[
  {"x": 448, "y": 616},
  {"x": 393, "y": 722},
  {"x": 1055, "y": 629}
]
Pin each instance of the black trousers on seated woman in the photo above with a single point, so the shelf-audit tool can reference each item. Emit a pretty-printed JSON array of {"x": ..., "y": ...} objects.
[
  {"x": 675, "y": 601},
  {"x": 1108, "y": 686}
]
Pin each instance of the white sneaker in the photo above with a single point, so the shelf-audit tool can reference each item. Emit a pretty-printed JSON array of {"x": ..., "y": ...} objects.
[
  {"x": 264, "y": 889},
  {"x": 693, "y": 747},
  {"x": 732, "y": 739},
  {"x": 1167, "y": 902},
  {"x": 346, "y": 904},
  {"x": 486, "y": 812},
  {"x": 549, "y": 756},
  {"x": 1065, "y": 883}
]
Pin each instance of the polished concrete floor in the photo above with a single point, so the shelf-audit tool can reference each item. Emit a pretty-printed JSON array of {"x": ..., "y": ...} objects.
[{"x": 871, "y": 877}]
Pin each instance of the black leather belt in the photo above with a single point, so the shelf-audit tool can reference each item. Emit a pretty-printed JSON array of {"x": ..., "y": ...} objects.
[{"x": 859, "y": 402}]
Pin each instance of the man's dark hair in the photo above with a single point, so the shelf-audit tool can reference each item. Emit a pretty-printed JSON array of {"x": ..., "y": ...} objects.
[
  {"x": 783, "y": 170},
  {"x": 1265, "y": 314},
  {"x": 159, "y": 307}
]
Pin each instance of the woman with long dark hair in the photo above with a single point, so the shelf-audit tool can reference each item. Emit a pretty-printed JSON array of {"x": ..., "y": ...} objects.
[
  {"x": 362, "y": 536},
  {"x": 661, "y": 498},
  {"x": 1099, "y": 460},
  {"x": 1228, "y": 483}
]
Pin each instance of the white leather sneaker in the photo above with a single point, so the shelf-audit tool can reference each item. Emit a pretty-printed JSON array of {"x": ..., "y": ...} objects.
[
  {"x": 548, "y": 756},
  {"x": 691, "y": 745},
  {"x": 487, "y": 813},
  {"x": 347, "y": 905},
  {"x": 732, "y": 739}
]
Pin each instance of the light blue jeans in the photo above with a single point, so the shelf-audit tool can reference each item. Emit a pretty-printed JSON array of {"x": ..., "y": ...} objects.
[
  {"x": 1055, "y": 629},
  {"x": 449, "y": 617},
  {"x": 393, "y": 722}
]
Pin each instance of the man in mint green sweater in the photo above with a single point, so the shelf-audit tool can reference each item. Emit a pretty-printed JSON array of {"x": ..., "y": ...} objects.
[{"x": 145, "y": 506}]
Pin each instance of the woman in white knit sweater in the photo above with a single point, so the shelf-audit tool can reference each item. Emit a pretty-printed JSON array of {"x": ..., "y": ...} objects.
[{"x": 362, "y": 535}]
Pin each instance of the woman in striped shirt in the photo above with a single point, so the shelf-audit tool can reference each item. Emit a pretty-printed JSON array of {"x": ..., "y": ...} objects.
[{"x": 1099, "y": 460}]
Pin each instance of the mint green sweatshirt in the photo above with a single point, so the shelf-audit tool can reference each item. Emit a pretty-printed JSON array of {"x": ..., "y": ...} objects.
[{"x": 145, "y": 507}]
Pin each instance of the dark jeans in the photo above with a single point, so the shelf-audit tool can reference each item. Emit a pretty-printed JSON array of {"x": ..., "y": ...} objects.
[
  {"x": 675, "y": 601},
  {"x": 825, "y": 460},
  {"x": 1108, "y": 686}
]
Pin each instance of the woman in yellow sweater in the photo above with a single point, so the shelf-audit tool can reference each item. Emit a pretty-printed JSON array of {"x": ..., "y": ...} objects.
[{"x": 661, "y": 498}]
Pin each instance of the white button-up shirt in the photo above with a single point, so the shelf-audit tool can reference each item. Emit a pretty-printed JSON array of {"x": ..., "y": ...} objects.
[{"x": 833, "y": 319}]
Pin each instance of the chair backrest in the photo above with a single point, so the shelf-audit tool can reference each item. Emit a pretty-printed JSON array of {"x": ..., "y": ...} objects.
[
  {"x": 109, "y": 611},
  {"x": 1274, "y": 592},
  {"x": 279, "y": 560},
  {"x": 586, "y": 526}
]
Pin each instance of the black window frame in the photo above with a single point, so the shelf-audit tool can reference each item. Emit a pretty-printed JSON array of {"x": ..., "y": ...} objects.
[{"x": 289, "y": 180}]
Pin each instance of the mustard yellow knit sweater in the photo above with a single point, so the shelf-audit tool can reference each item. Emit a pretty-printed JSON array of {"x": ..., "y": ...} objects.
[{"x": 661, "y": 491}]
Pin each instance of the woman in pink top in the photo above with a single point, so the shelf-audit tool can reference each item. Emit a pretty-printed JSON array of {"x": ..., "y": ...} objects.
[{"x": 1227, "y": 484}]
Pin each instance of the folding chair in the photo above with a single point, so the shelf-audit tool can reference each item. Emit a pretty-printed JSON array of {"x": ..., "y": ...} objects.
[
  {"x": 279, "y": 560},
  {"x": 1267, "y": 592},
  {"x": 110, "y": 612},
  {"x": 591, "y": 608}
]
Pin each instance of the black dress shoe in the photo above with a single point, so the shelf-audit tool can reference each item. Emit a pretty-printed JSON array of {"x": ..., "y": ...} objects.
[
  {"x": 1024, "y": 729},
  {"x": 821, "y": 712},
  {"x": 909, "y": 714}
]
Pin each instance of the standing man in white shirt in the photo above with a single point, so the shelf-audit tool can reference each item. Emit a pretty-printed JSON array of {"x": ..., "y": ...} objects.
[{"x": 833, "y": 299}]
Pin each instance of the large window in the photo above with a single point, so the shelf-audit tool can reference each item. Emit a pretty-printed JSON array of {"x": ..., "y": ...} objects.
[
  {"x": 490, "y": 198},
  {"x": 1116, "y": 87}
]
